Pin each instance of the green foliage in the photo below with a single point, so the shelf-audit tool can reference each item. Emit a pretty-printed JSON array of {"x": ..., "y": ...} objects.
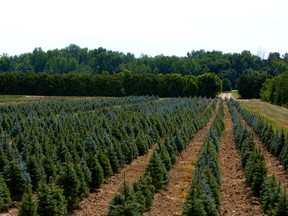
[
  {"x": 275, "y": 90},
  {"x": 97, "y": 172},
  {"x": 13, "y": 175},
  {"x": 28, "y": 205},
  {"x": 5, "y": 198},
  {"x": 124, "y": 203},
  {"x": 105, "y": 163},
  {"x": 157, "y": 171},
  {"x": 270, "y": 195},
  {"x": 69, "y": 182},
  {"x": 209, "y": 85},
  {"x": 226, "y": 85},
  {"x": 249, "y": 86},
  {"x": 51, "y": 201}
]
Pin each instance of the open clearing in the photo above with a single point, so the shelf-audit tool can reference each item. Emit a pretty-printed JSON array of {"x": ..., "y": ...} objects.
[{"x": 277, "y": 115}]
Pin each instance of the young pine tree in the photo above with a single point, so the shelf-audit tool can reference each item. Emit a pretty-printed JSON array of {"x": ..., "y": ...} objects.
[
  {"x": 5, "y": 198},
  {"x": 51, "y": 201},
  {"x": 157, "y": 171},
  {"x": 68, "y": 180},
  {"x": 124, "y": 204},
  {"x": 13, "y": 175},
  {"x": 28, "y": 205}
]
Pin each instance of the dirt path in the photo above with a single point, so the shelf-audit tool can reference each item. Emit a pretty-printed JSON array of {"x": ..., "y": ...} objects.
[
  {"x": 272, "y": 163},
  {"x": 226, "y": 95},
  {"x": 170, "y": 200},
  {"x": 236, "y": 198},
  {"x": 97, "y": 203}
]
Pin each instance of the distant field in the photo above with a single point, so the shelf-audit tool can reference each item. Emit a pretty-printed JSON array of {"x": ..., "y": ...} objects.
[
  {"x": 277, "y": 115},
  {"x": 11, "y": 99}
]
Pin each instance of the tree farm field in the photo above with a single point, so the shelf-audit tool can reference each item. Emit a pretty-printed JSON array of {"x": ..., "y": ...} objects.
[{"x": 136, "y": 155}]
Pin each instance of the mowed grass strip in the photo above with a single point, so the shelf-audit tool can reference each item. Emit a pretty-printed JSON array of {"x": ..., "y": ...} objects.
[{"x": 276, "y": 115}]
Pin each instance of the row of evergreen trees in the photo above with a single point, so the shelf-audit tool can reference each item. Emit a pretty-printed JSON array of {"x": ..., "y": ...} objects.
[
  {"x": 138, "y": 199},
  {"x": 273, "y": 198},
  {"x": 122, "y": 84},
  {"x": 275, "y": 140},
  {"x": 204, "y": 193},
  {"x": 64, "y": 153}
]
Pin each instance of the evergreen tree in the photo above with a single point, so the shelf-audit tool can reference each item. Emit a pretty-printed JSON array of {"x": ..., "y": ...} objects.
[
  {"x": 105, "y": 163},
  {"x": 270, "y": 195},
  {"x": 179, "y": 142},
  {"x": 5, "y": 198},
  {"x": 68, "y": 181},
  {"x": 112, "y": 155},
  {"x": 28, "y": 204},
  {"x": 13, "y": 175},
  {"x": 97, "y": 173},
  {"x": 83, "y": 185},
  {"x": 144, "y": 193},
  {"x": 157, "y": 171},
  {"x": 51, "y": 201},
  {"x": 281, "y": 207},
  {"x": 123, "y": 204}
]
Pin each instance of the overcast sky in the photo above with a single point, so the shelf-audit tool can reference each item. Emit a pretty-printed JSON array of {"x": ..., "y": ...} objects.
[{"x": 153, "y": 27}]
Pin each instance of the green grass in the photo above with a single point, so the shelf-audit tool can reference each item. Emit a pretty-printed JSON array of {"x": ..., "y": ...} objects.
[
  {"x": 276, "y": 115},
  {"x": 235, "y": 94}
]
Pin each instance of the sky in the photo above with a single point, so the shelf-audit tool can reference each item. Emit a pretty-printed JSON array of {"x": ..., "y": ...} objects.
[{"x": 152, "y": 27}]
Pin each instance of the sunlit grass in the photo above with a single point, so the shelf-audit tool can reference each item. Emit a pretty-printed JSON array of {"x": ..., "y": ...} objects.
[
  {"x": 276, "y": 115},
  {"x": 235, "y": 94}
]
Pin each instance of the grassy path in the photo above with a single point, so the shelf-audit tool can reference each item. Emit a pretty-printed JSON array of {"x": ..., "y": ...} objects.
[{"x": 236, "y": 197}]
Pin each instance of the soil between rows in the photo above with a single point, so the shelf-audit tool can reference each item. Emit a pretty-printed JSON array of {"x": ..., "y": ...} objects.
[{"x": 236, "y": 197}]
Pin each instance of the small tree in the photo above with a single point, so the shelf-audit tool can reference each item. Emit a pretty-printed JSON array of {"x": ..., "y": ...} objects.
[
  {"x": 28, "y": 204},
  {"x": 5, "y": 198},
  {"x": 51, "y": 201}
]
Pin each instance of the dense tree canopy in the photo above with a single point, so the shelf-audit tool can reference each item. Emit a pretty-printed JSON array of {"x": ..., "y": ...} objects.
[
  {"x": 74, "y": 59},
  {"x": 121, "y": 84}
]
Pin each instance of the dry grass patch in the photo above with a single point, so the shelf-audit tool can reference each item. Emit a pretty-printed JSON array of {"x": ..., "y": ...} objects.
[{"x": 276, "y": 115}]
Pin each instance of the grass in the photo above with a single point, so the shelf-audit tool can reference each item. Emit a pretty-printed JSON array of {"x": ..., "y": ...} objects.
[
  {"x": 276, "y": 115},
  {"x": 235, "y": 94}
]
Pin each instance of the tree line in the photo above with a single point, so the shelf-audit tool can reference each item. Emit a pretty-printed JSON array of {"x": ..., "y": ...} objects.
[
  {"x": 121, "y": 84},
  {"x": 74, "y": 59}
]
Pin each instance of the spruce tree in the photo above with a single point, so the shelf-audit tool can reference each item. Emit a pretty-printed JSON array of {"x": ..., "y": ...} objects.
[
  {"x": 5, "y": 198},
  {"x": 157, "y": 171},
  {"x": 124, "y": 204},
  {"x": 68, "y": 181},
  {"x": 13, "y": 175},
  {"x": 105, "y": 163},
  {"x": 51, "y": 201},
  {"x": 97, "y": 173},
  {"x": 28, "y": 205}
]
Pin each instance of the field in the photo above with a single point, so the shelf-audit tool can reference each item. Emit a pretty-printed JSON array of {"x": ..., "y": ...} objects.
[
  {"x": 277, "y": 115},
  {"x": 142, "y": 156}
]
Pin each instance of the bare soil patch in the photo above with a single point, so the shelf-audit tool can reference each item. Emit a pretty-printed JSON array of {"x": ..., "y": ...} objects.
[
  {"x": 170, "y": 201},
  {"x": 236, "y": 197}
]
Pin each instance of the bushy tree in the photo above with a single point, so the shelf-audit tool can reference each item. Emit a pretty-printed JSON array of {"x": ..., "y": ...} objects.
[
  {"x": 28, "y": 205},
  {"x": 13, "y": 175},
  {"x": 5, "y": 198},
  {"x": 51, "y": 201},
  {"x": 124, "y": 203},
  {"x": 157, "y": 171},
  {"x": 69, "y": 182}
]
